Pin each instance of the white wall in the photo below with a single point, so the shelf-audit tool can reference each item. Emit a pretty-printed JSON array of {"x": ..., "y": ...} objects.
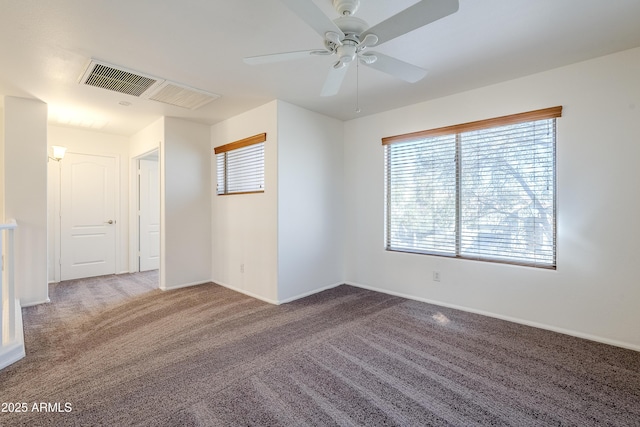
[
  {"x": 25, "y": 175},
  {"x": 148, "y": 139},
  {"x": 2, "y": 161},
  {"x": 594, "y": 292},
  {"x": 244, "y": 226},
  {"x": 185, "y": 187},
  {"x": 310, "y": 202},
  {"x": 97, "y": 143}
]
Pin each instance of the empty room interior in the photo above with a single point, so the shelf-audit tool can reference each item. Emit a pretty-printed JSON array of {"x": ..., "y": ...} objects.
[{"x": 320, "y": 212}]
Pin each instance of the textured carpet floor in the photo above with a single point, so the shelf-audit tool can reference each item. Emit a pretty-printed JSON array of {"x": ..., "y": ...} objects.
[{"x": 118, "y": 352}]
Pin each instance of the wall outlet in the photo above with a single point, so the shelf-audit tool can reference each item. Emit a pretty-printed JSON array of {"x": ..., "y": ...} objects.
[
  {"x": 436, "y": 276},
  {"x": 241, "y": 268}
]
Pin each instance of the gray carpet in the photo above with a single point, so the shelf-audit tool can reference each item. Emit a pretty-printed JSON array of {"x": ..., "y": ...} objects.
[{"x": 119, "y": 352}]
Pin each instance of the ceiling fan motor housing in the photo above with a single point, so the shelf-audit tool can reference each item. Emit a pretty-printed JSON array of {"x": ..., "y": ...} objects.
[
  {"x": 346, "y": 7},
  {"x": 351, "y": 26}
]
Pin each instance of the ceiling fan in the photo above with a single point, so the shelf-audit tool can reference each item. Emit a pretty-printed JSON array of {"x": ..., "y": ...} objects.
[{"x": 349, "y": 38}]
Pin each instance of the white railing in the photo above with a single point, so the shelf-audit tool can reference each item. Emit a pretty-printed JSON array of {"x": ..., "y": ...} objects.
[{"x": 11, "y": 336}]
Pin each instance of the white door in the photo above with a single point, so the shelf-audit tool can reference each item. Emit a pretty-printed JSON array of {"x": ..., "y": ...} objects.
[
  {"x": 149, "y": 193},
  {"x": 87, "y": 216}
]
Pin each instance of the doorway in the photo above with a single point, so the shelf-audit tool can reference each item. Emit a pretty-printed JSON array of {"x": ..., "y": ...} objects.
[
  {"x": 146, "y": 219},
  {"x": 149, "y": 213}
]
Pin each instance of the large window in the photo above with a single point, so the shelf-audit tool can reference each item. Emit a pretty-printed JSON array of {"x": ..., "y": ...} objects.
[
  {"x": 483, "y": 190},
  {"x": 240, "y": 166}
]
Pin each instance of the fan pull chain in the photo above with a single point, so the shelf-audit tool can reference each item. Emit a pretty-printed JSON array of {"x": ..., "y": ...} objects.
[{"x": 357, "y": 85}]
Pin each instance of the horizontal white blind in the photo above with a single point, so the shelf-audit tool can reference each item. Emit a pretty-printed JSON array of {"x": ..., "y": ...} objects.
[
  {"x": 221, "y": 173},
  {"x": 241, "y": 170},
  {"x": 507, "y": 193},
  {"x": 485, "y": 194},
  {"x": 421, "y": 195}
]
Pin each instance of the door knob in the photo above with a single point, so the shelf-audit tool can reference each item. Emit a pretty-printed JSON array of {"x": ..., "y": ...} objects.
[{"x": 109, "y": 222}]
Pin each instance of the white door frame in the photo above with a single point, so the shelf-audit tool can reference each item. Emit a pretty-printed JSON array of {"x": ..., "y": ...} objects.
[
  {"x": 54, "y": 220},
  {"x": 134, "y": 226}
]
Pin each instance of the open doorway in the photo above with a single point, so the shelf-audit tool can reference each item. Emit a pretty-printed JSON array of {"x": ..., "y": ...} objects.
[{"x": 147, "y": 220}]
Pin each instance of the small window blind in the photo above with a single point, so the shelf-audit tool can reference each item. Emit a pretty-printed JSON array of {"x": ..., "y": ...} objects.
[
  {"x": 483, "y": 190},
  {"x": 240, "y": 166}
]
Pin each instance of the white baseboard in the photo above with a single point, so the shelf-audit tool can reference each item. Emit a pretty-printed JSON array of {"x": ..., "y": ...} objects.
[
  {"x": 31, "y": 304},
  {"x": 248, "y": 293},
  {"x": 306, "y": 294},
  {"x": 277, "y": 302},
  {"x": 552, "y": 328},
  {"x": 13, "y": 352},
  {"x": 183, "y": 285}
]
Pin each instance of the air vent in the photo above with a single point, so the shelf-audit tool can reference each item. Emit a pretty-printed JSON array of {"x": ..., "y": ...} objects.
[
  {"x": 182, "y": 96},
  {"x": 119, "y": 79},
  {"x": 116, "y": 79}
]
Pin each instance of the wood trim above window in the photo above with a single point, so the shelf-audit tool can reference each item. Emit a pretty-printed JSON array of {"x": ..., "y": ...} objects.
[
  {"x": 531, "y": 116},
  {"x": 255, "y": 139}
]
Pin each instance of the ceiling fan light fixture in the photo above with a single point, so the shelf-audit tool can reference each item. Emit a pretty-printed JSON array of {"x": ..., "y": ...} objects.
[{"x": 347, "y": 53}]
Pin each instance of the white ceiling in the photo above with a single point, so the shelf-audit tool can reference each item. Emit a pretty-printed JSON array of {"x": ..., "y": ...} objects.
[{"x": 45, "y": 46}]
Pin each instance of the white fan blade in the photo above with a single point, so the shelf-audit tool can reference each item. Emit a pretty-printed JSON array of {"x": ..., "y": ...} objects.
[
  {"x": 397, "y": 68},
  {"x": 286, "y": 56},
  {"x": 313, "y": 16},
  {"x": 334, "y": 80},
  {"x": 413, "y": 17}
]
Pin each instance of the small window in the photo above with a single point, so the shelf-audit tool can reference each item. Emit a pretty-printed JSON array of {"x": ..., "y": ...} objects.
[
  {"x": 483, "y": 190},
  {"x": 240, "y": 166}
]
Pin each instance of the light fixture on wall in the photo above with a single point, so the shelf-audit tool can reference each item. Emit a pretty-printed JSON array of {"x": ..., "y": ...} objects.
[{"x": 58, "y": 152}]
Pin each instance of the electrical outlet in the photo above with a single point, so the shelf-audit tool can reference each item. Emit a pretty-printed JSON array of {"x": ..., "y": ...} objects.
[
  {"x": 436, "y": 276},
  {"x": 241, "y": 268}
]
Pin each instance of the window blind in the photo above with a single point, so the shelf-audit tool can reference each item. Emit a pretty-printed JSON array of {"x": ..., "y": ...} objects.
[
  {"x": 482, "y": 192},
  {"x": 421, "y": 196},
  {"x": 507, "y": 191},
  {"x": 221, "y": 162},
  {"x": 240, "y": 166}
]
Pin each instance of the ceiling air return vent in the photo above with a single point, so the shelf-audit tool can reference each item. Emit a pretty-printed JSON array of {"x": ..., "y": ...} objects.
[
  {"x": 182, "y": 96},
  {"x": 109, "y": 77},
  {"x": 122, "y": 80}
]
